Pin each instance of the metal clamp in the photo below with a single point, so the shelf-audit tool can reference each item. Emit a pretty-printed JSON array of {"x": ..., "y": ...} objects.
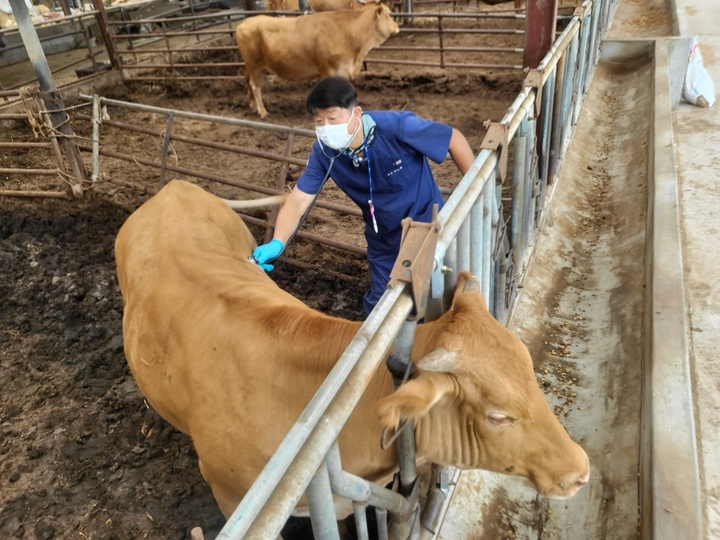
[
  {"x": 534, "y": 79},
  {"x": 415, "y": 261},
  {"x": 497, "y": 137},
  {"x": 413, "y": 507}
]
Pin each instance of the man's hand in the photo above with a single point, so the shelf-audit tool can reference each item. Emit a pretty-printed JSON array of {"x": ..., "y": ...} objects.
[{"x": 268, "y": 252}]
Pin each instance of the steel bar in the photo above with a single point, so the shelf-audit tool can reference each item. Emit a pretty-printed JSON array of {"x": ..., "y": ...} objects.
[
  {"x": 441, "y": 42},
  {"x": 34, "y": 194},
  {"x": 189, "y": 49},
  {"x": 463, "y": 245},
  {"x": 104, "y": 25},
  {"x": 518, "y": 208},
  {"x": 177, "y": 34},
  {"x": 584, "y": 53},
  {"x": 529, "y": 180},
  {"x": 96, "y": 121},
  {"x": 361, "y": 525},
  {"x": 25, "y": 144},
  {"x": 488, "y": 200},
  {"x": 137, "y": 41},
  {"x": 382, "y": 523},
  {"x": 531, "y": 162},
  {"x": 322, "y": 508},
  {"x": 556, "y": 129},
  {"x": 463, "y": 31},
  {"x": 207, "y": 143},
  {"x": 447, "y": 64},
  {"x": 193, "y": 18},
  {"x": 302, "y": 264},
  {"x": 468, "y": 16},
  {"x": 358, "y": 489},
  {"x": 489, "y": 260},
  {"x": 207, "y": 117},
  {"x": 312, "y": 237},
  {"x": 21, "y": 45},
  {"x": 181, "y": 65},
  {"x": 547, "y": 99},
  {"x": 402, "y": 351},
  {"x": 32, "y": 45},
  {"x": 37, "y": 172},
  {"x": 573, "y": 85},
  {"x": 181, "y": 170},
  {"x": 181, "y": 78},
  {"x": 451, "y": 49},
  {"x": 476, "y": 237},
  {"x": 166, "y": 146},
  {"x": 54, "y": 143},
  {"x": 86, "y": 34}
]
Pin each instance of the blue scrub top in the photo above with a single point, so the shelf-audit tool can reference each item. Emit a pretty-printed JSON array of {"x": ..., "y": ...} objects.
[{"x": 402, "y": 182}]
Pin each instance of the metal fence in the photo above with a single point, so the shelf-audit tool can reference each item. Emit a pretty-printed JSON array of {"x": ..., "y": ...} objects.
[
  {"x": 476, "y": 234},
  {"x": 167, "y": 56}
]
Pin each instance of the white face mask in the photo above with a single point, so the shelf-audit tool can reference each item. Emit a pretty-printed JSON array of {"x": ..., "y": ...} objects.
[{"x": 336, "y": 136}]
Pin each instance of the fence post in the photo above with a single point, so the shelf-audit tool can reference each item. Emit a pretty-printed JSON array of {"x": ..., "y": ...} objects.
[
  {"x": 51, "y": 97},
  {"x": 102, "y": 19}
]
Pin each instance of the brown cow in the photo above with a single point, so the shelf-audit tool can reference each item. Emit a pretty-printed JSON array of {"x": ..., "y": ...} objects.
[
  {"x": 334, "y": 5},
  {"x": 316, "y": 5},
  {"x": 282, "y": 5},
  {"x": 313, "y": 45},
  {"x": 229, "y": 358}
]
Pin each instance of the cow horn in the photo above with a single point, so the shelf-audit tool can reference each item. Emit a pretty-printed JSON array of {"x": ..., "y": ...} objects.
[
  {"x": 472, "y": 284},
  {"x": 440, "y": 360}
]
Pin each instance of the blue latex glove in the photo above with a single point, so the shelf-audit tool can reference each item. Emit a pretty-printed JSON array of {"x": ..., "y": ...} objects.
[{"x": 268, "y": 252}]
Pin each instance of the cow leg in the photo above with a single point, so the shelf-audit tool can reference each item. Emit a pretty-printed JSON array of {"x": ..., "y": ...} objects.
[{"x": 254, "y": 82}]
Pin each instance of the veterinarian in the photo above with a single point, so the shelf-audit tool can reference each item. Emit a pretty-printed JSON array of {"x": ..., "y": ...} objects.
[{"x": 379, "y": 159}]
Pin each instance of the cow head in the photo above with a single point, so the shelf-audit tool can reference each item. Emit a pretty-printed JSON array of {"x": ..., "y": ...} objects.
[
  {"x": 385, "y": 25},
  {"x": 477, "y": 405}
]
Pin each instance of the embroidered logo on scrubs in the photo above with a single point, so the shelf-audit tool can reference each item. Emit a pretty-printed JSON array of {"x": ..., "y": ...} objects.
[{"x": 397, "y": 167}]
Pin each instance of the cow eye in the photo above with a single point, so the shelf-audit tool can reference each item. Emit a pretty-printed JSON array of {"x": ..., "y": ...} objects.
[{"x": 500, "y": 419}]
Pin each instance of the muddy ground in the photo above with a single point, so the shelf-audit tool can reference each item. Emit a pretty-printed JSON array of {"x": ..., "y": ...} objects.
[{"x": 82, "y": 455}]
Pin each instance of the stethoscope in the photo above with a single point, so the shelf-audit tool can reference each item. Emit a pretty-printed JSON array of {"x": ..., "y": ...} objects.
[
  {"x": 332, "y": 158},
  {"x": 356, "y": 161}
]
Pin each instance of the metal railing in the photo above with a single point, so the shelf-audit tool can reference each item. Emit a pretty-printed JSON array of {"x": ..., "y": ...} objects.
[{"x": 438, "y": 32}]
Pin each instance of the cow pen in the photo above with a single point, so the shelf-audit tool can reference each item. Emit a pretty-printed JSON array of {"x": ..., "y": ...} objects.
[{"x": 488, "y": 226}]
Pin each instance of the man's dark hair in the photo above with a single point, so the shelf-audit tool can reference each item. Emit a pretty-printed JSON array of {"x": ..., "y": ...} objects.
[{"x": 332, "y": 92}]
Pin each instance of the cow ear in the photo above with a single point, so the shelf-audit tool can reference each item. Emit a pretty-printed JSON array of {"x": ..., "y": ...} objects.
[
  {"x": 379, "y": 10},
  {"x": 438, "y": 360},
  {"x": 466, "y": 283},
  {"x": 414, "y": 398}
]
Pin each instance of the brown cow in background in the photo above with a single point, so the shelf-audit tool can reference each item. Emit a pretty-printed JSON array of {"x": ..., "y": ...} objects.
[
  {"x": 316, "y": 5},
  {"x": 309, "y": 46}
]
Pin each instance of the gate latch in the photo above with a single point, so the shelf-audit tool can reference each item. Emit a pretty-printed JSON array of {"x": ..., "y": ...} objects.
[{"x": 415, "y": 261}]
